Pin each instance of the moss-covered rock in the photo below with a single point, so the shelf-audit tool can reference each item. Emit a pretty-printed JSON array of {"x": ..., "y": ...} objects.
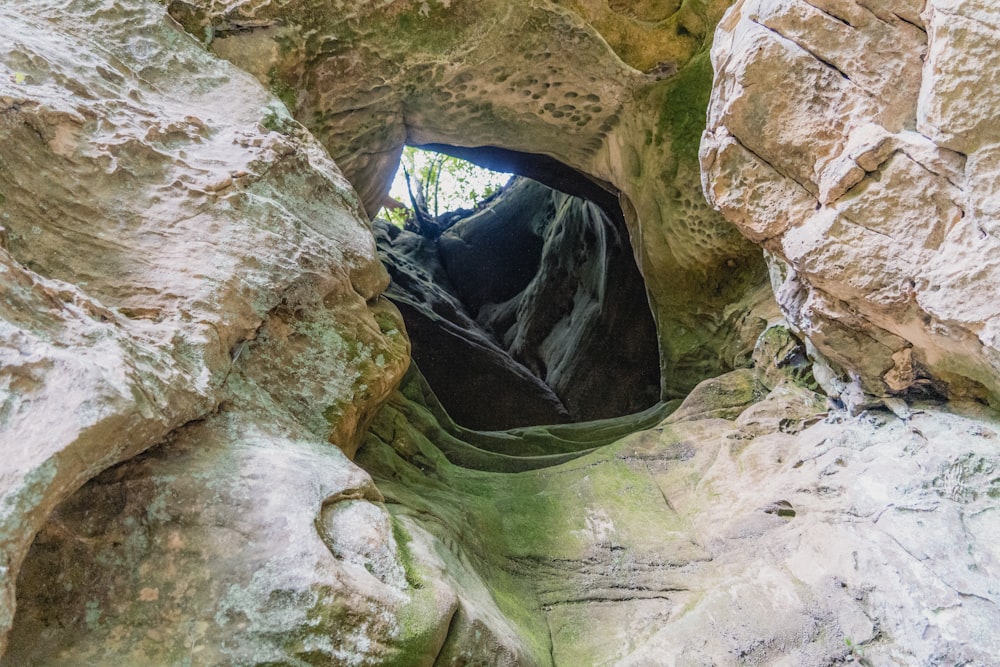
[{"x": 697, "y": 537}]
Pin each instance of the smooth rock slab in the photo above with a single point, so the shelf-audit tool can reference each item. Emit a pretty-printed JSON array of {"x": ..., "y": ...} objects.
[{"x": 742, "y": 528}]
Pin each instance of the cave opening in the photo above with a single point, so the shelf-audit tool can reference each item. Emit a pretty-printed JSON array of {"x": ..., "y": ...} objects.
[{"x": 526, "y": 308}]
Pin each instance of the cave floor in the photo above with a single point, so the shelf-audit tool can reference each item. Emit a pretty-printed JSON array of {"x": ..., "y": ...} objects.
[{"x": 744, "y": 526}]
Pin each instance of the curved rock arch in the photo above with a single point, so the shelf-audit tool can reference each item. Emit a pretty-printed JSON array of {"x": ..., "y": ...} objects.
[
  {"x": 814, "y": 535},
  {"x": 534, "y": 77}
]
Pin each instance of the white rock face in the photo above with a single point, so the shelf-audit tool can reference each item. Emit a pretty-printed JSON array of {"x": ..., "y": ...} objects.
[
  {"x": 164, "y": 223},
  {"x": 858, "y": 143}
]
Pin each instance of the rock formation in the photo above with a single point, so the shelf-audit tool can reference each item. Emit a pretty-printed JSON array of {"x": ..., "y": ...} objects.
[
  {"x": 520, "y": 312},
  {"x": 166, "y": 258},
  {"x": 217, "y": 452},
  {"x": 535, "y": 77},
  {"x": 868, "y": 178}
]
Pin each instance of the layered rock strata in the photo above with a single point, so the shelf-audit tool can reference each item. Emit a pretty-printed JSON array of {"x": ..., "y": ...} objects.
[{"x": 869, "y": 175}]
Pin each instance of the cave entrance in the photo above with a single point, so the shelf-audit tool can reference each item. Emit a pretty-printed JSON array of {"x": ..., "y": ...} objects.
[{"x": 528, "y": 307}]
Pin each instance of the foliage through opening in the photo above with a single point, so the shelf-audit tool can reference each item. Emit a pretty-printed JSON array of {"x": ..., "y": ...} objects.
[{"x": 428, "y": 186}]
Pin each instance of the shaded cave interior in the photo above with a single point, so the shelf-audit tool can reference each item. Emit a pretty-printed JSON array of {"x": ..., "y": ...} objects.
[{"x": 530, "y": 309}]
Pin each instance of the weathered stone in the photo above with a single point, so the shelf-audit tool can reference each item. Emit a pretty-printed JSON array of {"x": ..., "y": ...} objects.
[
  {"x": 596, "y": 86},
  {"x": 883, "y": 229},
  {"x": 740, "y": 520},
  {"x": 781, "y": 357},
  {"x": 473, "y": 374},
  {"x": 190, "y": 304},
  {"x": 521, "y": 312},
  {"x": 491, "y": 256},
  {"x": 150, "y": 234}
]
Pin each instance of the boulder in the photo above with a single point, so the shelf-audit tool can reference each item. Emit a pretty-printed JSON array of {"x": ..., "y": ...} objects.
[{"x": 867, "y": 177}]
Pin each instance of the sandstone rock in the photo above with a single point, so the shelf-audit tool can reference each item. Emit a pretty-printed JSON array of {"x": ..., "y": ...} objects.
[
  {"x": 492, "y": 256},
  {"x": 584, "y": 318},
  {"x": 153, "y": 239},
  {"x": 483, "y": 386},
  {"x": 190, "y": 319},
  {"x": 882, "y": 229},
  {"x": 615, "y": 91},
  {"x": 776, "y": 533},
  {"x": 521, "y": 312},
  {"x": 779, "y": 533},
  {"x": 781, "y": 357}
]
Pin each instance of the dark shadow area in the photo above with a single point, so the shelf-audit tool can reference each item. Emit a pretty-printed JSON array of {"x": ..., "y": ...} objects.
[{"x": 530, "y": 310}]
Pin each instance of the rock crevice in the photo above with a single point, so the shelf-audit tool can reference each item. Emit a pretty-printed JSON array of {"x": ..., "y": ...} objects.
[{"x": 520, "y": 311}]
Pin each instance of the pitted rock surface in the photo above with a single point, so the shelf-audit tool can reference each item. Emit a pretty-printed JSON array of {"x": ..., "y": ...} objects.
[
  {"x": 616, "y": 92},
  {"x": 193, "y": 341}
]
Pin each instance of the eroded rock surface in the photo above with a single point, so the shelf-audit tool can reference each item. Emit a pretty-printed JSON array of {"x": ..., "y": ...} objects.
[
  {"x": 164, "y": 253},
  {"x": 750, "y": 526},
  {"x": 744, "y": 525},
  {"x": 190, "y": 319},
  {"x": 613, "y": 90},
  {"x": 521, "y": 313},
  {"x": 870, "y": 177}
]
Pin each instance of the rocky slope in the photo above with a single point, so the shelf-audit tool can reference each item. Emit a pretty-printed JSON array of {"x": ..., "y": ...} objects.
[
  {"x": 750, "y": 526},
  {"x": 193, "y": 341}
]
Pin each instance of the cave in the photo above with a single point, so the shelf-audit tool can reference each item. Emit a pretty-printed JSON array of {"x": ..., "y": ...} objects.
[
  {"x": 530, "y": 309},
  {"x": 216, "y": 449}
]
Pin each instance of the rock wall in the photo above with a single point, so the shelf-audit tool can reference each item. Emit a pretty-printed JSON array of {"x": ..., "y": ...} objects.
[
  {"x": 614, "y": 90},
  {"x": 191, "y": 320},
  {"x": 520, "y": 312},
  {"x": 178, "y": 257},
  {"x": 857, "y": 142},
  {"x": 471, "y": 370}
]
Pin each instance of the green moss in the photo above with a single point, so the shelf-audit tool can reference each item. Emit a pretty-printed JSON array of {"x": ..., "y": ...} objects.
[
  {"x": 286, "y": 44},
  {"x": 387, "y": 324},
  {"x": 429, "y": 33},
  {"x": 683, "y": 103},
  {"x": 335, "y": 412},
  {"x": 435, "y": 30},
  {"x": 282, "y": 89},
  {"x": 193, "y": 19},
  {"x": 276, "y": 122},
  {"x": 517, "y": 531},
  {"x": 403, "y": 539}
]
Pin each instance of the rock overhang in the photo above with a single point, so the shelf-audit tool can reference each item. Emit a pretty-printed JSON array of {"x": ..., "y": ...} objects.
[{"x": 532, "y": 78}]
